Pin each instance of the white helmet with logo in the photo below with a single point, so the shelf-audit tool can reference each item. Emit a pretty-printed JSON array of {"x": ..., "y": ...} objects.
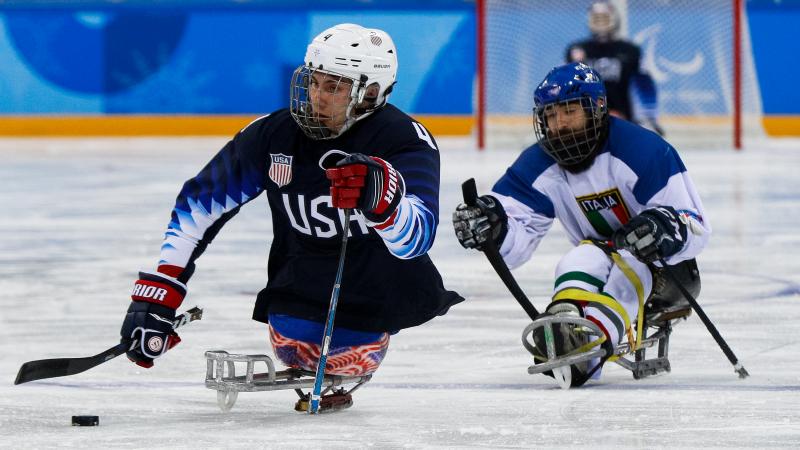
[{"x": 363, "y": 58}]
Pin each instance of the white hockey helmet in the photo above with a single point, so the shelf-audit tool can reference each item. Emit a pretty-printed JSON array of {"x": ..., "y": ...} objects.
[
  {"x": 603, "y": 20},
  {"x": 365, "y": 59}
]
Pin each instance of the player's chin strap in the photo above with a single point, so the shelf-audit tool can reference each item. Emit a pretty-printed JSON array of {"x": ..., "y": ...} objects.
[{"x": 575, "y": 294}]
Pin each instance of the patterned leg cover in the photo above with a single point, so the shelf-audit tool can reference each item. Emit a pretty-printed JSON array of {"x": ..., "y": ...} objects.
[
  {"x": 356, "y": 360},
  {"x": 610, "y": 289}
]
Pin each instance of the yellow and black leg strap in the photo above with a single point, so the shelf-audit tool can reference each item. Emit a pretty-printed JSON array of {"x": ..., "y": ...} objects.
[
  {"x": 604, "y": 302},
  {"x": 600, "y": 301},
  {"x": 638, "y": 287},
  {"x": 609, "y": 306}
]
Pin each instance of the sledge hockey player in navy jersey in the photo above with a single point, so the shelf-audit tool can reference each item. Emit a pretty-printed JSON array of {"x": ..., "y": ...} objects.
[
  {"x": 624, "y": 198},
  {"x": 617, "y": 61},
  {"x": 339, "y": 145}
]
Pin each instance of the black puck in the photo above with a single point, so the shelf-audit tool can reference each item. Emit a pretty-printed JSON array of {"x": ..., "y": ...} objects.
[{"x": 85, "y": 421}]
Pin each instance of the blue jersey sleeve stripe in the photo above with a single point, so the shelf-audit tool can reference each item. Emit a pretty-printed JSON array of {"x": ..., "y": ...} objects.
[
  {"x": 512, "y": 185},
  {"x": 417, "y": 245},
  {"x": 518, "y": 180},
  {"x": 182, "y": 219},
  {"x": 655, "y": 177},
  {"x": 207, "y": 201},
  {"x": 414, "y": 233},
  {"x": 222, "y": 181},
  {"x": 429, "y": 223},
  {"x": 414, "y": 242},
  {"x": 650, "y": 157},
  {"x": 424, "y": 241}
]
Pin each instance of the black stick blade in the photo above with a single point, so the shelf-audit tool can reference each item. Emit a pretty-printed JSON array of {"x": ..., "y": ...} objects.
[
  {"x": 43, "y": 368},
  {"x": 61, "y": 367},
  {"x": 470, "y": 191}
]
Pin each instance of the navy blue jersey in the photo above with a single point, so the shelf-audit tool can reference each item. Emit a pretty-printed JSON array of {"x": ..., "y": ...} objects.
[
  {"x": 389, "y": 282},
  {"x": 617, "y": 63}
]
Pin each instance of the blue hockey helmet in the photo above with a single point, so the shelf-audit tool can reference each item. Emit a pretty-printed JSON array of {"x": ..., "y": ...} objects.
[{"x": 564, "y": 90}]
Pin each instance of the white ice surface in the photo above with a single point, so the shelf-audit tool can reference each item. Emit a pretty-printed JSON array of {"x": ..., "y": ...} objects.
[{"x": 79, "y": 217}]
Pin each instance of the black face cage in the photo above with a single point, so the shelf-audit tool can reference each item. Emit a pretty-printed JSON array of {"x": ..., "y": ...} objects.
[
  {"x": 307, "y": 114},
  {"x": 571, "y": 147}
]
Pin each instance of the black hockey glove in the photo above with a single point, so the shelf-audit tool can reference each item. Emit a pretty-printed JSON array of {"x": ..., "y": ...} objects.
[
  {"x": 653, "y": 234},
  {"x": 368, "y": 183},
  {"x": 474, "y": 224},
  {"x": 148, "y": 322}
]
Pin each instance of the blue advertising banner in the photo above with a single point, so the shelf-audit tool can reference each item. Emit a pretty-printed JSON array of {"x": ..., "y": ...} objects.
[
  {"x": 235, "y": 57},
  {"x": 213, "y": 61}
]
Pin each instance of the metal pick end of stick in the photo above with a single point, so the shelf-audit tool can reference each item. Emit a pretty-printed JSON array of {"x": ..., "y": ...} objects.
[{"x": 741, "y": 371}]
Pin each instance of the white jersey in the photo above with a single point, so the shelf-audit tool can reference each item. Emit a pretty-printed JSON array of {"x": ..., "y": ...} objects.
[{"x": 635, "y": 170}]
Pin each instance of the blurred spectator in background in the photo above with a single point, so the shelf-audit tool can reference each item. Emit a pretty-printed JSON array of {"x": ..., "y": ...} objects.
[{"x": 617, "y": 61}]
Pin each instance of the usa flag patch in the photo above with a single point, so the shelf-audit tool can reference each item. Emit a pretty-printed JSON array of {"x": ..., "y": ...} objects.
[{"x": 280, "y": 171}]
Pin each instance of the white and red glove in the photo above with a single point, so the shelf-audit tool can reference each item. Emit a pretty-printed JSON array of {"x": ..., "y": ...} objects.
[
  {"x": 148, "y": 322},
  {"x": 368, "y": 183}
]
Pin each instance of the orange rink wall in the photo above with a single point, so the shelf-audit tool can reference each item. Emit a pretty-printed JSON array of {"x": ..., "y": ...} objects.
[
  {"x": 169, "y": 125},
  {"x": 775, "y": 125},
  {"x": 228, "y": 125}
]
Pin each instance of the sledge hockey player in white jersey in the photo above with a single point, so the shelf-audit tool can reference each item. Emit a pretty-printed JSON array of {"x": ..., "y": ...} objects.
[
  {"x": 338, "y": 146},
  {"x": 625, "y": 200}
]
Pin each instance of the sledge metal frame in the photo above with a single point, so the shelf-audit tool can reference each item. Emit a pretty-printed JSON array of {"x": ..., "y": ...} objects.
[
  {"x": 640, "y": 366},
  {"x": 657, "y": 330},
  {"x": 555, "y": 361},
  {"x": 221, "y": 375}
]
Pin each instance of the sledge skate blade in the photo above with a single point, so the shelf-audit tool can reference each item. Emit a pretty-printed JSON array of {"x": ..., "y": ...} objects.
[
  {"x": 560, "y": 361},
  {"x": 673, "y": 313},
  {"x": 226, "y": 399},
  {"x": 329, "y": 403},
  {"x": 563, "y": 376}
]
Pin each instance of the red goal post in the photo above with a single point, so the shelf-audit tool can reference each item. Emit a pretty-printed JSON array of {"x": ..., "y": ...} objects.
[{"x": 698, "y": 53}]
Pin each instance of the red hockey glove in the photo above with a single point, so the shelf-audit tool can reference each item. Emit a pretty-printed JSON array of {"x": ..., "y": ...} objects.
[
  {"x": 148, "y": 322},
  {"x": 367, "y": 183}
]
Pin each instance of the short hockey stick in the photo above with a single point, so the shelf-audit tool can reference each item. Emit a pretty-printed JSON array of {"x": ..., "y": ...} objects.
[
  {"x": 316, "y": 393},
  {"x": 61, "y": 367},
  {"x": 470, "y": 192},
  {"x": 706, "y": 321}
]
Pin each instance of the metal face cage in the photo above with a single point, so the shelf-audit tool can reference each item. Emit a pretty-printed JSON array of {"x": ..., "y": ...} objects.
[
  {"x": 570, "y": 145},
  {"x": 322, "y": 102}
]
